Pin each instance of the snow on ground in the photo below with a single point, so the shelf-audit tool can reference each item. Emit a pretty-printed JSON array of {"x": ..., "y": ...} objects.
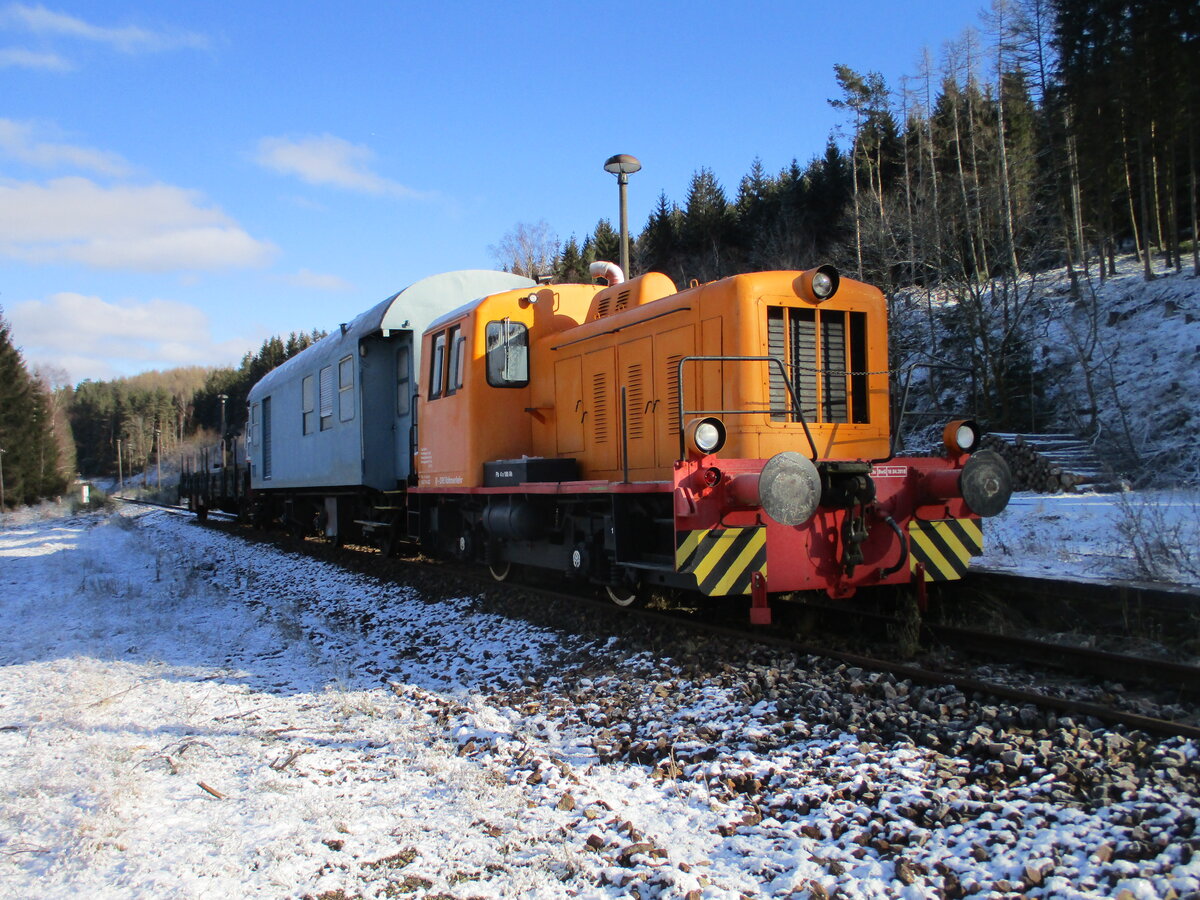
[
  {"x": 184, "y": 714},
  {"x": 1136, "y": 536}
]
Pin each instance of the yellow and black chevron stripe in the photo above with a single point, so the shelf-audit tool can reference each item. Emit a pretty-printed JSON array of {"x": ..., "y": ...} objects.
[
  {"x": 944, "y": 547},
  {"x": 722, "y": 559}
]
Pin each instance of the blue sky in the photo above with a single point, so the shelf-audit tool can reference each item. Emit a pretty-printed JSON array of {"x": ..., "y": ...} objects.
[{"x": 180, "y": 180}]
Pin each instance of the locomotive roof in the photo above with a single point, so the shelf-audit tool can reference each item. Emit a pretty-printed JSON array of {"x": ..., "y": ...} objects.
[{"x": 422, "y": 299}]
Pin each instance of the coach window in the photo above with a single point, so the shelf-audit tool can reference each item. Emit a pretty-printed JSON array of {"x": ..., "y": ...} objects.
[
  {"x": 458, "y": 347},
  {"x": 309, "y": 404},
  {"x": 437, "y": 366},
  {"x": 326, "y": 398},
  {"x": 507, "y": 354},
  {"x": 346, "y": 388},
  {"x": 252, "y": 437}
]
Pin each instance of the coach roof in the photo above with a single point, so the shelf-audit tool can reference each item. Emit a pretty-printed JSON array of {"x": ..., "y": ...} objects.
[{"x": 424, "y": 299}]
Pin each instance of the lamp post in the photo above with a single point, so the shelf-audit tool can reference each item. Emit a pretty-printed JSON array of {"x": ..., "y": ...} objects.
[
  {"x": 158, "y": 457},
  {"x": 2, "y": 452},
  {"x": 222, "y": 398},
  {"x": 623, "y": 165}
]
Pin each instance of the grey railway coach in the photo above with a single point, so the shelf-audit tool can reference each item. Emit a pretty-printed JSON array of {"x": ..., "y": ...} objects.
[{"x": 339, "y": 418}]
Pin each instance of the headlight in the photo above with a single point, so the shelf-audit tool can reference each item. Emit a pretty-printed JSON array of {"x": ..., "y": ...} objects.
[
  {"x": 822, "y": 285},
  {"x": 708, "y": 436},
  {"x": 961, "y": 436},
  {"x": 819, "y": 284},
  {"x": 704, "y": 436}
]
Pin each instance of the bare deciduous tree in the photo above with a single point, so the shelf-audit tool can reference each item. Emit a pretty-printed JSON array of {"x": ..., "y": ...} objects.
[{"x": 528, "y": 250}]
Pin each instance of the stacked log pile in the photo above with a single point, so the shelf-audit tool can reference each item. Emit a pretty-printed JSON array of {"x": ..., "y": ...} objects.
[{"x": 1049, "y": 463}]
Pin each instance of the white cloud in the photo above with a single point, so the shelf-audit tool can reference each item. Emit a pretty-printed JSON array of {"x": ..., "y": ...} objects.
[
  {"x": 126, "y": 39},
  {"x": 328, "y": 160},
  {"x": 92, "y": 338},
  {"x": 19, "y": 141},
  {"x": 310, "y": 280},
  {"x": 21, "y": 58},
  {"x": 154, "y": 227}
]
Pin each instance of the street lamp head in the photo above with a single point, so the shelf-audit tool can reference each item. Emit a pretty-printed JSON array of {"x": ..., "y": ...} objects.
[{"x": 622, "y": 164}]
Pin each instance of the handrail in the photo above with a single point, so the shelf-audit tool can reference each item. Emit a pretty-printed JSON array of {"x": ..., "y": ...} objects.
[
  {"x": 903, "y": 410},
  {"x": 684, "y": 412}
]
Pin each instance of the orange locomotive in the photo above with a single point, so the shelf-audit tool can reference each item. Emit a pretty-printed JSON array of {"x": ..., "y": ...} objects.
[{"x": 733, "y": 438}]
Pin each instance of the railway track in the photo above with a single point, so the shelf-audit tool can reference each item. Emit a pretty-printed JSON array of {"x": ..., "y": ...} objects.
[{"x": 1184, "y": 679}]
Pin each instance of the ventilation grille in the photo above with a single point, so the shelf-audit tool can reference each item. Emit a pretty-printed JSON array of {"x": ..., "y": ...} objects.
[
  {"x": 635, "y": 401},
  {"x": 600, "y": 431},
  {"x": 606, "y": 304}
]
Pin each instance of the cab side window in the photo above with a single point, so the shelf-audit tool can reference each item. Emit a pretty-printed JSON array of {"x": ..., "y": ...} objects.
[
  {"x": 437, "y": 366},
  {"x": 507, "y": 354},
  {"x": 458, "y": 347}
]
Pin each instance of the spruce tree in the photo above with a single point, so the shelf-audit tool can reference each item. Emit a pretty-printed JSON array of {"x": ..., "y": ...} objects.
[
  {"x": 26, "y": 430},
  {"x": 707, "y": 228}
]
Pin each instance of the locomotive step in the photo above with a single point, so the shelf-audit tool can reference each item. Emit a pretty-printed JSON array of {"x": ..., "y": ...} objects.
[{"x": 649, "y": 566}]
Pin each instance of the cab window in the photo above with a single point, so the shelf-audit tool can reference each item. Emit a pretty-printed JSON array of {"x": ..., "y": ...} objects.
[
  {"x": 458, "y": 346},
  {"x": 507, "y": 354},
  {"x": 437, "y": 366}
]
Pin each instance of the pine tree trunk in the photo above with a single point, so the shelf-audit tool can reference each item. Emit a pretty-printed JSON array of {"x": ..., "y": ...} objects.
[
  {"x": 1076, "y": 202},
  {"x": 1133, "y": 222},
  {"x": 1159, "y": 241},
  {"x": 1147, "y": 269},
  {"x": 977, "y": 206},
  {"x": 1005, "y": 191},
  {"x": 1173, "y": 216},
  {"x": 1192, "y": 191},
  {"x": 857, "y": 212},
  {"x": 962, "y": 186}
]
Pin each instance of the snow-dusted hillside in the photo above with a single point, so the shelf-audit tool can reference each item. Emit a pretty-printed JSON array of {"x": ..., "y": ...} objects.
[{"x": 1117, "y": 362}]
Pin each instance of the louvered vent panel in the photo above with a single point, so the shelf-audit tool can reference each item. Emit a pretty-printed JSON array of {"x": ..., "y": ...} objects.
[
  {"x": 600, "y": 430},
  {"x": 622, "y": 300},
  {"x": 833, "y": 351},
  {"x": 602, "y": 307},
  {"x": 776, "y": 346},
  {"x": 635, "y": 401},
  {"x": 804, "y": 360}
]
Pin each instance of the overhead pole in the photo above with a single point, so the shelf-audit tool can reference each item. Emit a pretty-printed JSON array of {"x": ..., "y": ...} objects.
[{"x": 623, "y": 165}]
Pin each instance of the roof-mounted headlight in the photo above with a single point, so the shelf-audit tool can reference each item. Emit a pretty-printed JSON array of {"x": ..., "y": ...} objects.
[
  {"x": 819, "y": 284},
  {"x": 703, "y": 437}
]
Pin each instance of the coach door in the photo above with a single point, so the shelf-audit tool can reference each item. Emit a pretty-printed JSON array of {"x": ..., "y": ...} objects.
[
  {"x": 266, "y": 439},
  {"x": 406, "y": 426}
]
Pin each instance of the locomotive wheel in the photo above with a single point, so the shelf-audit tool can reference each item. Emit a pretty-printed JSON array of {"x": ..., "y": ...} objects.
[
  {"x": 501, "y": 571},
  {"x": 387, "y": 543},
  {"x": 624, "y": 596}
]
